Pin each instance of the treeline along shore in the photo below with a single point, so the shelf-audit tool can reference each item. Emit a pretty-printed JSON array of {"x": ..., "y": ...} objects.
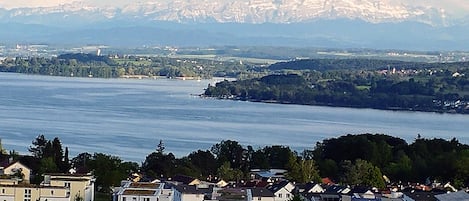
[{"x": 439, "y": 89}]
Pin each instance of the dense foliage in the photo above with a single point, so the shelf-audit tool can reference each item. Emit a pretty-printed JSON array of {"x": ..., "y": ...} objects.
[
  {"x": 351, "y": 159},
  {"x": 360, "y": 64},
  {"x": 438, "y": 159},
  {"x": 50, "y": 156},
  {"x": 86, "y": 58},
  {"x": 435, "y": 90},
  {"x": 89, "y": 65}
]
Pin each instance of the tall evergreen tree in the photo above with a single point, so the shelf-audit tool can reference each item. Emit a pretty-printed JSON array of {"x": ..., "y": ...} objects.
[
  {"x": 160, "y": 148},
  {"x": 66, "y": 162},
  {"x": 39, "y": 145},
  {"x": 56, "y": 151}
]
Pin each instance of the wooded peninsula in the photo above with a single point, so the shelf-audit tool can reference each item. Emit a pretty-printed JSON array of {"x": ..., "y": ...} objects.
[{"x": 378, "y": 84}]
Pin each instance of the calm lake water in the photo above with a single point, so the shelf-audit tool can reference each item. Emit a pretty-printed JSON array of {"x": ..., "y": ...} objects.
[{"x": 127, "y": 118}]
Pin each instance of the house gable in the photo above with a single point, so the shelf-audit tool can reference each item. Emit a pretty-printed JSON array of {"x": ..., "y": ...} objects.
[
  {"x": 15, "y": 167},
  {"x": 282, "y": 190},
  {"x": 312, "y": 187}
]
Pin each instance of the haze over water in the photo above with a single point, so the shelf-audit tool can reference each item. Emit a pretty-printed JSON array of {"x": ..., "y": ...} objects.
[{"x": 127, "y": 118}]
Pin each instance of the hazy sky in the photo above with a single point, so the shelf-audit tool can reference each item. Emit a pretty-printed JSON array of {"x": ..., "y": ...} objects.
[{"x": 456, "y": 7}]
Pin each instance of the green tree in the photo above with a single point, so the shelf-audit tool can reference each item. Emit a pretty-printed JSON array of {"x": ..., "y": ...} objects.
[
  {"x": 39, "y": 145},
  {"x": 302, "y": 171},
  {"x": 229, "y": 151},
  {"x": 57, "y": 153},
  {"x": 66, "y": 162},
  {"x": 43, "y": 148},
  {"x": 259, "y": 160},
  {"x": 159, "y": 165},
  {"x": 278, "y": 156},
  {"x": 363, "y": 173},
  {"x": 14, "y": 155},
  {"x": 204, "y": 161},
  {"x": 401, "y": 169},
  {"x": 296, "y": 197},
  {"x": 160, "y": 148},
  {"x": 328, "y": 168},
  {"x": 185, "y": 167},
  {"x": 227, "y": 173},
  {"x": 82, "y": 162},
  {"x": 48, "y": 165},
  {"x": 108, "y": 171}
]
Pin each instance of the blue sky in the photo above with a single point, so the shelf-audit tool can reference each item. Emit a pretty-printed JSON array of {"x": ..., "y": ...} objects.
[{"x": 452, "y": 7}]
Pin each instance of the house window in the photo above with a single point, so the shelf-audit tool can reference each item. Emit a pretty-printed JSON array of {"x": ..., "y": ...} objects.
[
  {"x": 3, "y": 191},
  {"x": 124, "y": 199},
  {"x": 27, "y": 194},
  {"x": 146, "y": 199},
  {"x": 259, "y": 198},
  {"x": 51, "y": 192},
  {"x": 134, "y": 199},
  {"x": 67, "y": 184},
  {"x": 280, "y": 195},
  {"x": 288, "y": 195}
]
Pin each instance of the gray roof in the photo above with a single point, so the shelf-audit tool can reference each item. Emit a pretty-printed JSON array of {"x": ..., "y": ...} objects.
[
  {"x": 422, "y": 195},
  {"x": 192, "y": 189},
  {"x": 335, "y": 189},
  {"x": 277, "y": 186},
  {"x": 261, "y": 192},
  {"x": 460, "y": 196},
  {"x": 306, "y": 187}
]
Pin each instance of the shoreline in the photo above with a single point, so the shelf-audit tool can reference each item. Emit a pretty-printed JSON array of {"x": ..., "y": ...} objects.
[
  {"x": 397, "y": 109},
  {"x": 130, "y": 77}
]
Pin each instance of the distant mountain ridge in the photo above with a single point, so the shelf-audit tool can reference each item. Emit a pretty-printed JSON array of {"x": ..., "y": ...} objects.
[
  {"x": 313, "y": 23},
  {"x": 230, "y": 11}
]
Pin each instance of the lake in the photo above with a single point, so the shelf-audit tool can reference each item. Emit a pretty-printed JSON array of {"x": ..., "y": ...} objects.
[{"x": 127, "y": 117}]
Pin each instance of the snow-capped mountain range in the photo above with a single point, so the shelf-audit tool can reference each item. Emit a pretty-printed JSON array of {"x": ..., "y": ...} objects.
[
  {"x": 324, "y": 23},
  {"x": 235, "y": 11}
]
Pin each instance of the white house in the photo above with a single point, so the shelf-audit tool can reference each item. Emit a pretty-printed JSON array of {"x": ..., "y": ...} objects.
[
  {"x": 260, "y": 194},
  {"x": 191, "y": 192},
  {"x": 142, "y": 191},
  {"x": 80, "y": 185},
  {"x": 282, "y": 190}
]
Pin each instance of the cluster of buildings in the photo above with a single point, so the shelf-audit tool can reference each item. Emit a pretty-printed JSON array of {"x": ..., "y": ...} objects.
[
  {"x": 269, "y": 185},
  {"x": 274, "y": 188},
  {"x": 15, "y": 185}
]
